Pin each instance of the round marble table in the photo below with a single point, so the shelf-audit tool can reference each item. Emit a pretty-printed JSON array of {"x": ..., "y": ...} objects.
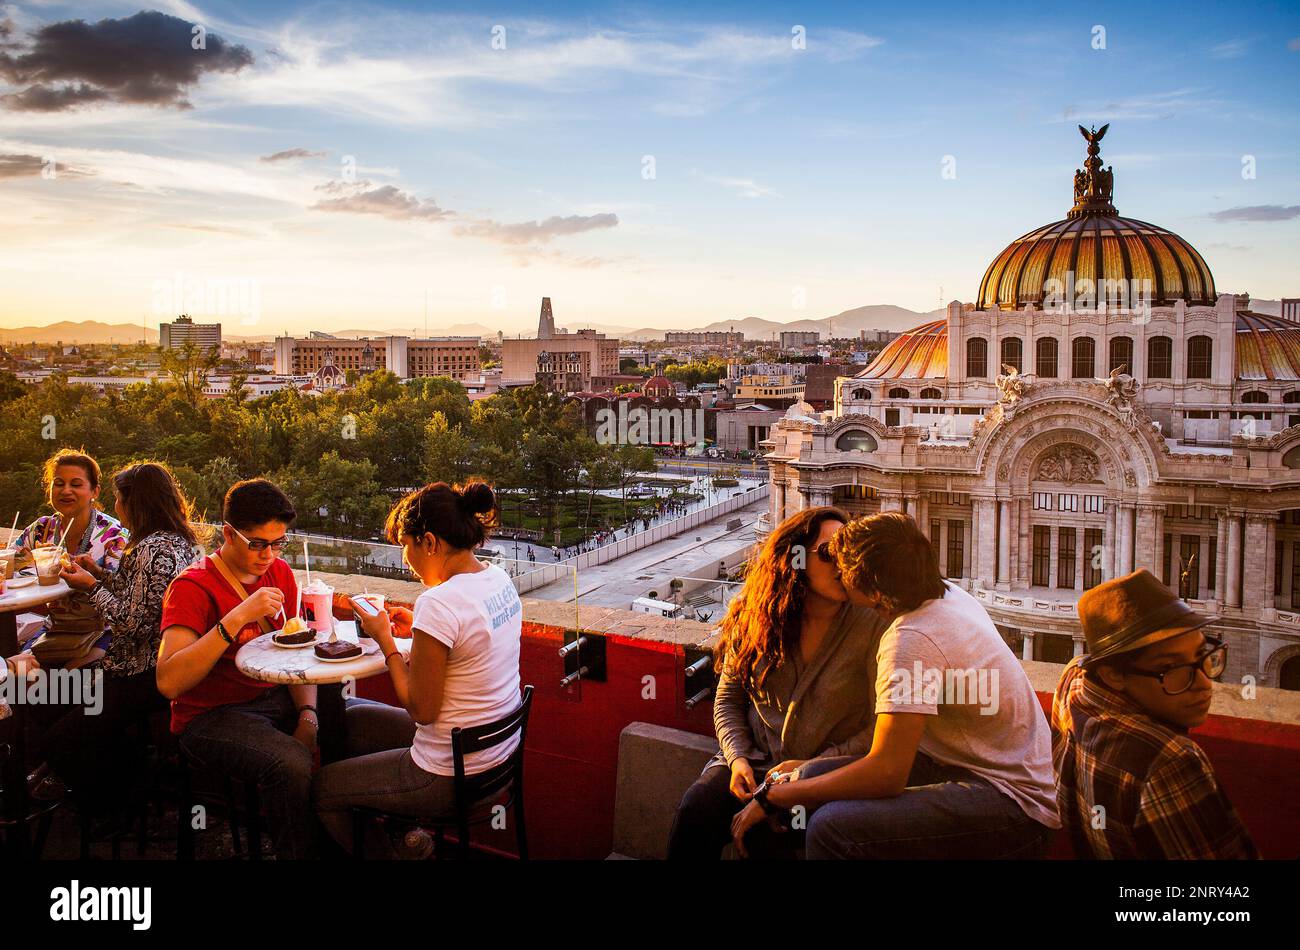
[{"x": 261, "y": 659}]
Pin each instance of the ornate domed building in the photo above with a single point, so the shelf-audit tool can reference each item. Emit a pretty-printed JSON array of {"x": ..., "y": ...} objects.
[{"x": 1101, "y": 407}]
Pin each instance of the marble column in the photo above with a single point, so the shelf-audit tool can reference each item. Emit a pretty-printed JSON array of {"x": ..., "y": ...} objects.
[
  {"x": 1109, "y": 541},
  {"x": 1148, "y": 544},
  {"x": 1080, "y": 644},
  {"x": 1026, "y": 644},
  {"x": 921, "y": 512},
  {"x": 1021, "y": 573},
  {"x": 1053, "y": 555},
  {"x": 778, "y": 503},
  {"x": 891, "y": 501},
  {"x": 1257, "y": 573},
  {"x": 1221, "y": 558},
  {"x": 1125, "y": 561},
  {"x": 988, "y": 541},
  {"x": 804, "y": 501},
  {"x": 1158, "y": 535},
  {"x": 1080, "y": 564},
  {"x": 1004, "y": 542},
  {"x": 1232, "y": 582}
]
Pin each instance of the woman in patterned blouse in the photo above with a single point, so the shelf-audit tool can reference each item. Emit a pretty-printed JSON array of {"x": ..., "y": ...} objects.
[
  {"x": 72, "y": 483},
  {"x": 92, "y": 752}
]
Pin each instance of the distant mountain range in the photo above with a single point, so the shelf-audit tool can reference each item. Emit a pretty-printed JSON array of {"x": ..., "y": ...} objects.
[
  {"x": 843, "y": 324},
  {"x": 88, "y": 331}
]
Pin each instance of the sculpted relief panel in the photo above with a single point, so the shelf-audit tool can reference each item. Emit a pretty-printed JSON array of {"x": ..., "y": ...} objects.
[{"x": 1071, "y": 464}]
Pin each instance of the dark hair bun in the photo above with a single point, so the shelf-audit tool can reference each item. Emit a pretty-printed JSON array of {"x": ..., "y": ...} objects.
[{"x": 478, "y": 498}]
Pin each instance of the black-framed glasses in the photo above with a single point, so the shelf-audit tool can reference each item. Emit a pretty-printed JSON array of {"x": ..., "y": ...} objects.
[
  {"x": 823, "y": 551},
  {"x": 1179, "y": 679},
  {"x": 260, "y": 544}
]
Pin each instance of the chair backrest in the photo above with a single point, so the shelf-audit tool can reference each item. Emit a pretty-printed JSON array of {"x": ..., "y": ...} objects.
[{"x": 465, "y": 741}]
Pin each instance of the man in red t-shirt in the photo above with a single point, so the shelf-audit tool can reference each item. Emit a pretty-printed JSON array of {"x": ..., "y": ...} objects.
[{"x": 255, "y": 731}]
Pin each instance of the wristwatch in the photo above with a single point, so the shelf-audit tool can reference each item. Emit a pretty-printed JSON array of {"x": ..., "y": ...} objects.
[{"x": 760, "y": 796}]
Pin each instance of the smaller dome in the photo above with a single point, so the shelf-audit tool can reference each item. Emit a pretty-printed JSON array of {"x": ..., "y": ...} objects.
[
  {"x": 658, "y": 386},
  {"x": 1268, "y": 347},
  {"x": 920, "y": 353}
]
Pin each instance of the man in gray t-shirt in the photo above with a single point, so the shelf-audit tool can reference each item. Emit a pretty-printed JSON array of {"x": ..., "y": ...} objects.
[{"x": 961, "y": 760}]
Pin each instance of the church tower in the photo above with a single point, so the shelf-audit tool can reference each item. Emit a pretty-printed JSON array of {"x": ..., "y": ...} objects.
[{"x": 546, "y": 323}]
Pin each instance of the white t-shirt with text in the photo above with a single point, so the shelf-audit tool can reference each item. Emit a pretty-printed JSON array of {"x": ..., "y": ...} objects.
[{"x": 479, "y": 618}]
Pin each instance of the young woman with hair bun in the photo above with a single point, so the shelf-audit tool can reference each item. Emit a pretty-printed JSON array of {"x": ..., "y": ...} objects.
[{"x": 463, "y": 668}]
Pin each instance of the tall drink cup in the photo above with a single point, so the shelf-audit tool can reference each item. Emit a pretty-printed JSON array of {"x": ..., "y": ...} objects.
[
  {"x": 8, "y": 557},
  {"x": 318, "y": 606},
  {"x": 47, "y": 565}
]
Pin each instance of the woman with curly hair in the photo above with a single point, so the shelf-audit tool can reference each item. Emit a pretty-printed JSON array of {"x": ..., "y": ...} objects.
[{"x": 796, "y": 666}]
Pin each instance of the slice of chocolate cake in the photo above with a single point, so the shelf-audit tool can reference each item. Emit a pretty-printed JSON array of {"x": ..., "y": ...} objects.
[
  {"x": 337, "y": 650},
  {"x": 294, "y": 633}
]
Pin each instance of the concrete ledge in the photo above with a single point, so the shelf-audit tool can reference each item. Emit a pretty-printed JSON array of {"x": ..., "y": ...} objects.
[{"x": 655, "y": 767}]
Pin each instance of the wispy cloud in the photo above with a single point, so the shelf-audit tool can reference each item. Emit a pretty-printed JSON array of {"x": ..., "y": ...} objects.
[
  {"x": 387, "y": 201},
  {"x": 537, "y": 232},
  {"x": 1258, "y": 213},
  {"x": 745, "y": 187},
  {"x": 291, "y": 154},
  {"x": 25, "y": 166},
  {"x": 1155, "y": 105},
  {"x": 1230, "y": 49}
]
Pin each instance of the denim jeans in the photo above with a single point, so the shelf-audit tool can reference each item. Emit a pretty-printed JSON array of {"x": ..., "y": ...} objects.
[
  {"x": 379, "y": 773},
  {"x": 702, "y": 825},
  {"x": 946, "y": 812},
  {"x": 254, "y": 742}
]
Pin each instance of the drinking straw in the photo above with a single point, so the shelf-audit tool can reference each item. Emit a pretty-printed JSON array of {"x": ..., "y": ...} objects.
[
  {"x": 65, "y": 534},
  {"x": 306, "y": 560},
  {"x": 14, "y": 528}
]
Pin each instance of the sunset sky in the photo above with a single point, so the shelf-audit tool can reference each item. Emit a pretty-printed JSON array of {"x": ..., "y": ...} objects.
[{"x": 656, "y": 165}]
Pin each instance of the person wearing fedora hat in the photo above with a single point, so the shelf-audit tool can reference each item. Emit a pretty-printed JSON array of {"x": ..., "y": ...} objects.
[{"x": 1130, "y": 782}]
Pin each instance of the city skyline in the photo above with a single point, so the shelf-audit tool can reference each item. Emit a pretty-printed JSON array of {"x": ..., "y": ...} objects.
[{"x": 339, "y": 166}]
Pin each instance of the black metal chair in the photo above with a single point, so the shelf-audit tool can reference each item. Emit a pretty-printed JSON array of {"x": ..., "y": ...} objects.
[
  {"x": 472, "y": 792},
  {"x": 229, "y": 797}
]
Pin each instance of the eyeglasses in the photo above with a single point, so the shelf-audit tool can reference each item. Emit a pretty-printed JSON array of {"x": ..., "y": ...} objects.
[
  {"x": 824, "y": 552},
  {"x": 1179, "y": 679},
  {"x": 260, "y": 544}
]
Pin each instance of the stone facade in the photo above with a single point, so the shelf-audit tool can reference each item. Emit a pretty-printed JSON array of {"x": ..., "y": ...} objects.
[{"x": 1034, "y": 487}]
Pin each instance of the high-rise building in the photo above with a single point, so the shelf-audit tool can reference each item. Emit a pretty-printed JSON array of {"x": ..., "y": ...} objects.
[{"x": 175, "y": 334}]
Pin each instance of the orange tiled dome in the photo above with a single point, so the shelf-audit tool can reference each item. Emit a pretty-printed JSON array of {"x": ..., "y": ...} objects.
[
  {"x": 916, "y": 354},
  {"x": 1094, "y": 243}
]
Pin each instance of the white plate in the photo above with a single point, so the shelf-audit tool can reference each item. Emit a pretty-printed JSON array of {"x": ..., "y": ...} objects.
[
  {"x": 20, "y": 581},
  {"x": 293, "y": 646},
  {"x": 347, "y": 659}
]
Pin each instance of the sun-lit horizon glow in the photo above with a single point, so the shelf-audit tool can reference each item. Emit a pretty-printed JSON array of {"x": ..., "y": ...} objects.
[{"x": 381, "y": 167}]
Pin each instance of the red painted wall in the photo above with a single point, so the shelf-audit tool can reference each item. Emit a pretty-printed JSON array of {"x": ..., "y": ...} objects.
[{"x": 572, "y": 748}]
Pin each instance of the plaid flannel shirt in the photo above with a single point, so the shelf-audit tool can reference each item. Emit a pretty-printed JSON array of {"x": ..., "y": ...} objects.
[{"x": 1156, "y": 786}]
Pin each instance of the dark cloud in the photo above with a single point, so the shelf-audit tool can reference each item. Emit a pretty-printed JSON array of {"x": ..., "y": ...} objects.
[
  {"x": 1258, "y": 213},
  {"x": 291, "y": 153},
  {"x": 387, "y": 201},
  {"x": 538, "y": 232},
  {"x": 25, "y": 166},
  {"x": 145, "y": 59}
]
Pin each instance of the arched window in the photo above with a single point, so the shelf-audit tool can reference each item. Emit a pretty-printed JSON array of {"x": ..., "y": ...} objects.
[
  {"x": 1013, "y": 352},
  {"x": 1292, "y": 396},
  {"x": 1121, "y": 354},
  {"x": 862, "y": 394},
  {"x": 1083, "y": 358},
  {"x": 1045, "y": 358},
  {"x": 1200, "y": 357},
  {"x": 1292, "y": 458},
  {"x": 977, "y": 358},
  {"x": 855, "y": 440},
  {"x": 1160, "y": 357},
  {"x": 898, "y": 392},
  {"x": 931, "y": 393},
  {"x": 1254, "y": 395}
]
